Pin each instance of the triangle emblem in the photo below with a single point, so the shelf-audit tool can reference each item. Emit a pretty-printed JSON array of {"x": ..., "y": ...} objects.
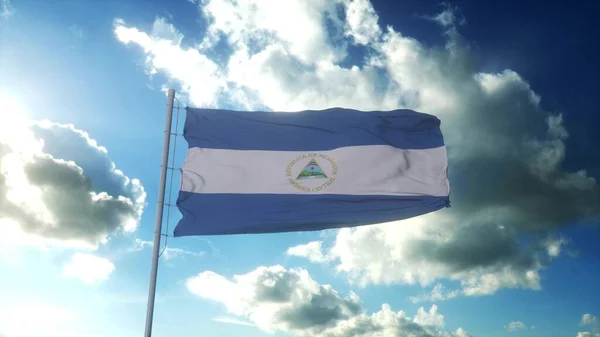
[{"x": 312, "y": 170}]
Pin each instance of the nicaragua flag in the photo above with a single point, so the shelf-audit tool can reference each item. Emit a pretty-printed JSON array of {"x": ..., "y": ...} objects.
[{"x": 268, "y": 172}]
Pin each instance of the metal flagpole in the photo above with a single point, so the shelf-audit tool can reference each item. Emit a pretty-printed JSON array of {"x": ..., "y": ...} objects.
[{"x": 159, "y": 214}]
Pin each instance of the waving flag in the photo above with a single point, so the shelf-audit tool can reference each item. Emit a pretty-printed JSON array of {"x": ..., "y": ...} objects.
[{"x": 267, "y": 172}]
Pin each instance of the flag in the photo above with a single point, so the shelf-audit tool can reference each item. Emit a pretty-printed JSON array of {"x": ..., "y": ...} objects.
[{"x": 269, "y": 172}]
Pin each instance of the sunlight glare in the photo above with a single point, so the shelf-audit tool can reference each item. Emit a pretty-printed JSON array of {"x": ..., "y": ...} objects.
[{"x": 14, "y": 126}]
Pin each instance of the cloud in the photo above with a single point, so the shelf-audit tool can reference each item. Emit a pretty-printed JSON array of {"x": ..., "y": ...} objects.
[
  {"x": 515, "y": 326},
  {"x": 168, "y": 253},
  {"x": 429, "y": 318},
  {"x": 312, "y": 251},
  {"x": 588, "y": 334},
  {"x": 361, "y": 22},
  {"x": 7, "y": 9},
  {"x": 274, "y": 298},
  {"x": 449, "y": 17},
  {"x": 437, "y": 293},
  {"x": 88, "y": 268},
  {"x": 420, "y": 254},
  {"x": 255, "y": 24},
  {"x": 460, "y": 332},
  {"x": 510, "y": 192},
  {"x": 59, "y": 186},
  {"x": 201, "y": 75},
  {"x": 588, "y": 319},
  {"x": 231, "y": 320},
  {"x": 289, "y": 300},
  {"x": 592, "y": 321}
]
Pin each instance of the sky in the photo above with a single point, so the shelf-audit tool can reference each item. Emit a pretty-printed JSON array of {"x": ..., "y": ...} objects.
[{"x": 82, "y": 112}]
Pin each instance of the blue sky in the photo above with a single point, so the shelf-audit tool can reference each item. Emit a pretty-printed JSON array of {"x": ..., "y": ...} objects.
[{"x": 82, "y": 89}]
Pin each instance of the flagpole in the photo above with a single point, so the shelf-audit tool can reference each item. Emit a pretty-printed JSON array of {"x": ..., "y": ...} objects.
[{"x": 159, "y": 214}]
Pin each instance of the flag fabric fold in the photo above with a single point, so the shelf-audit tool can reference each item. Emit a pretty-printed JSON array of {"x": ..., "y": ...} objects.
[{"x": 268, "y": 172}]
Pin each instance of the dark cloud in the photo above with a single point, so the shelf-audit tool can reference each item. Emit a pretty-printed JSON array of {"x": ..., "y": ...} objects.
[
  {"x": 323, "y": 309},
  {"x": 68, "y": 189},
  {"x": 66, "y": 142},
  {"x": 289, "y": 300}
]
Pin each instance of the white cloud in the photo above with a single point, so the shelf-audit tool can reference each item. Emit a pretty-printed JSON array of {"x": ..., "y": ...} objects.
[
  {"x": 253, "y": 24},
  {"x": 448, "y": 17},
  {"x": 437, "y": 293},
  {"x": 232, "y": 320},
  {"x": 460, "y": 332},
  {"x": 592, "y": 321},
  {"x": 59, "y": 187},
  {"x": 168, "y": 253},
  {"x": 289, "y": 300},
  {"x": 506, "y": 152},
  {"x": 202, "y": 78},
  {"x": 161, "y": 29},
  {"x": 516, "y": 325},
  {"x": 587, "y": 334},
  {"x": 88, "y": 268},
  {"x": 588, "y": 319},
  {"x": 361, "y": 21},
  {"x": 312, "y": 251},
  {"x": 429, "y": 318}
]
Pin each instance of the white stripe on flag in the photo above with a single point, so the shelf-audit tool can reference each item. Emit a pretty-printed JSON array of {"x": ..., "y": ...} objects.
[{"x": 355, "y": 170}]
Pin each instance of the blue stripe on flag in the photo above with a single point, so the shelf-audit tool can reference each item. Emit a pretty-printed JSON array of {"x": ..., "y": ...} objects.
[
  {"x": 310, "y": 130},
  {"x": 219, "y": 214}
]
